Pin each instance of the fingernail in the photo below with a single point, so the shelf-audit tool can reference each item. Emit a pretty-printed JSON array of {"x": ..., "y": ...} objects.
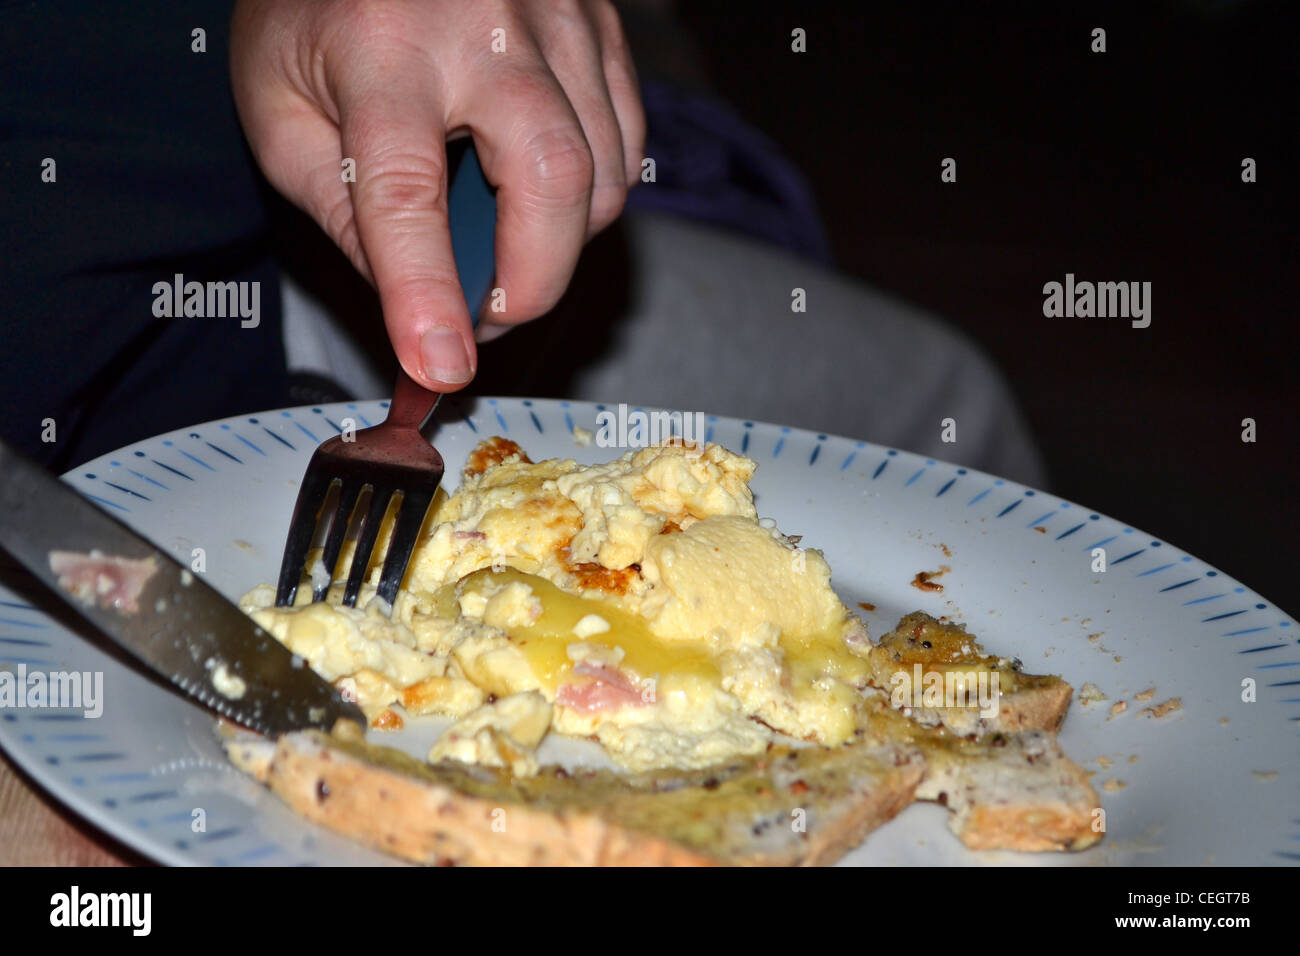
[{"x": 444, "y": 357}]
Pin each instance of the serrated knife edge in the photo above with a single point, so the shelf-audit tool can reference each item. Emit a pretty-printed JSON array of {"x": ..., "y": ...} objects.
[{"x": 181, "y": 627}]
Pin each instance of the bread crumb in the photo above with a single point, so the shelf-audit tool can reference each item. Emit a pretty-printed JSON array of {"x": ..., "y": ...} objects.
[
  {"x": 1118, "y": 708},
  {"x": 1264, "y": 774},
  {"x": 1224, "y": 721},
  {"x": 1133, "y": 758},
  {"x": 1090, "y": 693},
  {"x": 582, "y": 436},
  {"x": 922, "y": 580},
  {"x": 1095, "y": 637},
  {"x": 1113, "y": 784},
  {"x": 1104, "y": 762},
  {"x": 1168, "y": 707},
  {"x": 1146, "y": 694},
  {"x": 1118, "y": 659}
]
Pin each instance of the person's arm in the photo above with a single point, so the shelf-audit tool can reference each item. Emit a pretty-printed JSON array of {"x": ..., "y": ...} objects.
[{"x": 545, "y": 87}]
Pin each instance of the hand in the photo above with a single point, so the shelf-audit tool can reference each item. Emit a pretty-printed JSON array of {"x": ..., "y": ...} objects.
[{"x": 555, "y": 117}]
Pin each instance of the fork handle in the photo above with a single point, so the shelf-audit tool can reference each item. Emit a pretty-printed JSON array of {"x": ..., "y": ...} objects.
[{"x": 412, "y": 404}]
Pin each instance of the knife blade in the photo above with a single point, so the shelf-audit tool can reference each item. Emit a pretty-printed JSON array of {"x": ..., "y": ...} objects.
[{"x": 159, "y": 611}]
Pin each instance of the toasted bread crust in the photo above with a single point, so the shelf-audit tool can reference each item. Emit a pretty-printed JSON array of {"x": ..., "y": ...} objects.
[
  {"x": 1040, "y": 707},
  {"x": 806, "y": 806},
  {"x": 1026, "y": 701},
  {"x": 427, "y": 822},
  {"x": 1009, "y": 791},
  {"x": 1012, "y": 792}
]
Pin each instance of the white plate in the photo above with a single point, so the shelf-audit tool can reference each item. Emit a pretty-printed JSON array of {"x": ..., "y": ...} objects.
[{"x": 1214, "y": 782}]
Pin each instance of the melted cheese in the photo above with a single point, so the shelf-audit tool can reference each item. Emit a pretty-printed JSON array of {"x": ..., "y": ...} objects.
[
  {"x": 675, "y": 666},
  {"x": 815, "y": 673},
  {"x": 501, "y": 734}
]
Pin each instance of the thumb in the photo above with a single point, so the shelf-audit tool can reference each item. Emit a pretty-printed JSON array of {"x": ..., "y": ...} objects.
[{"x": 399, "y": 202}]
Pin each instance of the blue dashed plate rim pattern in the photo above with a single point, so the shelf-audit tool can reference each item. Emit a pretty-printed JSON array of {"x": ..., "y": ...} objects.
[{"x": 1214, "y": 781}]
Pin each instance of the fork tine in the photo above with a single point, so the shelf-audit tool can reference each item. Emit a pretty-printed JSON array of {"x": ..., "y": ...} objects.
[
  {"x": 348, "y": 494},
  {"x": 415, "y": 505},
  {"x": 302, "y": 528},
  {"x": 379, "y": 498}
]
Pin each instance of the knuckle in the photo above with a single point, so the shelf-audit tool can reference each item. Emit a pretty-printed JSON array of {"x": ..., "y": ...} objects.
[
  {"x": 424, "y": 290},
  {"x": 558, "y": 166},
  {"x": 401, "y": 183},
  {"x": 362, "y": 40},
  {"x": 367, "y": 21}
]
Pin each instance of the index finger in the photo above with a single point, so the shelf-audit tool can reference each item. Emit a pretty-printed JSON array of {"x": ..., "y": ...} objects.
[{"x": 393, "y": 129}]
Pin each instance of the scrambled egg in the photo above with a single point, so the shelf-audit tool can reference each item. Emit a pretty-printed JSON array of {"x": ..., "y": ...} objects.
[
  {"x": 641, "y": 603},
  {"x": 504, "y": 733}
]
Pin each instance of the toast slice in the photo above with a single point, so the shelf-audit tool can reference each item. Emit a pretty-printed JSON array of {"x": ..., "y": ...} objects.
[
  {"x": 800, "y": 805},
  {"x": 1003, "y": 791},
  {"x": 921, "y": 646},
  {"x": 1012, "y": 792}
]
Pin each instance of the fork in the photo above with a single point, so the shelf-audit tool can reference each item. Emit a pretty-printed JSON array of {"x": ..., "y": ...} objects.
[{"x": 392, "y": 458}]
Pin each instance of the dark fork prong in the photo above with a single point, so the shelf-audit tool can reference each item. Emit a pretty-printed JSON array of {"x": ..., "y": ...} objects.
[
  {"x": 302, "y": 528},
  {"x": 415, "y": 505},
  {"x": 334, "y": 540},
  {"x": 379, "y": 499},
  {"x": 392, "y": 458}
]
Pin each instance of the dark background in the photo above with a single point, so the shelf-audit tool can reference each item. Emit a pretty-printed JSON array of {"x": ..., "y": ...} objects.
[{"x": 1117, "y": 166}]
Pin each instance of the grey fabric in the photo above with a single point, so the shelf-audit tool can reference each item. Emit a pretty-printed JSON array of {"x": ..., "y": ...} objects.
[
  {"x": 709, "y": 327},
  {"x": 316, "y": 341}
]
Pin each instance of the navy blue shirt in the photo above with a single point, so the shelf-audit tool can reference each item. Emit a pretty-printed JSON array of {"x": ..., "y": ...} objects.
[{"x": 152, "y": 177}]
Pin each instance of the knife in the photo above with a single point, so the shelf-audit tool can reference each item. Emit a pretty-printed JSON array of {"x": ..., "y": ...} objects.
[{"x": 156, "y": 609}]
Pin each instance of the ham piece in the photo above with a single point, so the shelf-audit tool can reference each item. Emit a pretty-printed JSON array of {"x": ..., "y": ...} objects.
[
  {"x": 607, "y": 689},
  {"x": 106, "y": 580}
]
